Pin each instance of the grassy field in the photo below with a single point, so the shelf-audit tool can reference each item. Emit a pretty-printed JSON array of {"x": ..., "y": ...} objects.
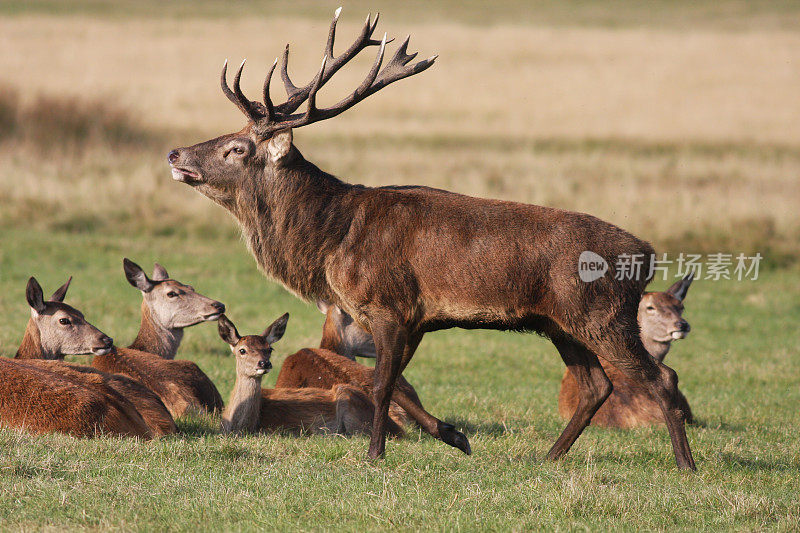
[{"x": 675, "y": 120}]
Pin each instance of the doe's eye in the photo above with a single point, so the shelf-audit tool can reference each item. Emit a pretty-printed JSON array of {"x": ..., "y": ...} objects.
[
  {"x": 238, "y": 150},
  {"x": 242, "y": 351},
  {"x": 172, "y": 294},
  {"x": 651, "y": 308},
  {"x": 63, "y": 321}
]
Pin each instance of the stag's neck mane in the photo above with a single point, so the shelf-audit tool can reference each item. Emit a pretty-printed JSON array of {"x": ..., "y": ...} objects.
[
  {"x": 31, "y": 345},
  {"x": 155, "y": 338},
  {"x": 292, "y": 218}
]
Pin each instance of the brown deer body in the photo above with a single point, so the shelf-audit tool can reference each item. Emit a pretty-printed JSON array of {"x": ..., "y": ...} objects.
[
  {"x": 340, "y": 409},
  {"x": 44, "y": 340},
  {"x": 630, "y": 404},
  {"x": 49, "y": 396},
  {"x": 404, "y": 261},
  {"x": 43, "y": 401},
  {"x": 327, "y": 368},
  {"x": 180, "y": 384}
]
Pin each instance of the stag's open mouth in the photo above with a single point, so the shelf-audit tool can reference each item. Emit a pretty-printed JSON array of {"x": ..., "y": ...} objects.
[
  {"x": 184, "y": 175},
  {"x": 101, "y": 351},
  {"x": 212, "y": 316}
]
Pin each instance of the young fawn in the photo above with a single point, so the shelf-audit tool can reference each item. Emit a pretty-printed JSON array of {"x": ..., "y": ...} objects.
[
  {"x": 334, "y": 364},
  {"x": 630, "y": 404},
  {"x": 50, "y": 336},
  {"x": 341, "y": 409},
  {"x": 48, "y": 396},
  {"x": 180, "y": 384}
]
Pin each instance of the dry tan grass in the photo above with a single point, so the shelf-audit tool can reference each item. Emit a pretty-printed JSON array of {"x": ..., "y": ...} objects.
[{"x": 667, "y": 133}]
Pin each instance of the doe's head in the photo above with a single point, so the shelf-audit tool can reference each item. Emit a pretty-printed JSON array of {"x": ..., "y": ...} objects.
[
  {"x": 252, "y": 352},
  {"x": 661, "y": 314},
  {"x": 63, "y": 330},
  {"x": 171, "y": 303}
]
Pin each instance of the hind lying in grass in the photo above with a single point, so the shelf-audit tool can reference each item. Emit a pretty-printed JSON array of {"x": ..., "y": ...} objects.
[
  {"x": 630, "y": 404},
  {"x": 53, "y": 397}
]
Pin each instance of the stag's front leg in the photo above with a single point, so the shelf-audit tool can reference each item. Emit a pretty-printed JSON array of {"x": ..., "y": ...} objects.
[{"x": 391, "y": 340}]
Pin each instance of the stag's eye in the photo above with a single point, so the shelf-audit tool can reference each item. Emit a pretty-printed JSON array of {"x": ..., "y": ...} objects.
[
  {"x": 651, "y": 308},
  {"x": 64, "y": 321},
  {"x": 172, "y": 294},
  {"x": 242, "y": 351},
  {"x": 238, "y": 150}
]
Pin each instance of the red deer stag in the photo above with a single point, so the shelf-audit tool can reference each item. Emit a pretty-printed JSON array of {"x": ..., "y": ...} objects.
[
  {"x": 342, "y": 409},
  {"x": 43, "y": 398},
  {"x": 404, "y": 261},
  {"x": 630, "y": 404},
  {"x": 326, "y": 368},
  {"x": 66, "y": 332}
]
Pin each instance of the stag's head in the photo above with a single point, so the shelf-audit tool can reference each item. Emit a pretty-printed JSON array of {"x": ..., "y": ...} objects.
[
  {"x": 252, "y": 352},
  {"x": 661, "y": 317},
  {"x": 62, "y": 329},
  {"x": 220, "y": 167},
  {"x": 172, "y": 304}
]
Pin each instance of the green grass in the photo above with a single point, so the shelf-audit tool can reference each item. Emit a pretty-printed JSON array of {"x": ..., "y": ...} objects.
[{"x": 739, "y": 368}]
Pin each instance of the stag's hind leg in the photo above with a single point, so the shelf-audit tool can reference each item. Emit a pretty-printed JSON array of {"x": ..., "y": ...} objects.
[
  {"x": 628, "y": 354},
  {"x": 593, "y": 386}
]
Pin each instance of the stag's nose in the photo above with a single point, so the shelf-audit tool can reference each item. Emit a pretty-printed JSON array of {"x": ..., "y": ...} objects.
[
  {"x": 172, "y": 157},
  {"x": 107, "y": 341},
  {"x": 266, "y": 365},
  {"x": 684, "y": 326},
  {"x": 219, "y": 306}
]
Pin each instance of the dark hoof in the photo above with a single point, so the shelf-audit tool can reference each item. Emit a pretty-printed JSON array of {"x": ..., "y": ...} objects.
[{"x": 448, "y": 433}]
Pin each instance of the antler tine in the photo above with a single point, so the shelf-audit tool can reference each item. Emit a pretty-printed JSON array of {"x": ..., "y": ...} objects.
[
  {"x": 299, "y": 95},
  {"x": 281, "y": 116},
  {"x": 398, "y": 68},
  {"x": 236, "y": 97},
  {"x": 312, "y": 95},
  {"x": 270, "y": 115},
  {"x": 291, "y": 88},
  {"x": 332, "y": 33}
]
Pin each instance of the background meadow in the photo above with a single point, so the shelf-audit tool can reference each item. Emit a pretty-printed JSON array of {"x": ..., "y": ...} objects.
[{"x": 675, "y": 120}]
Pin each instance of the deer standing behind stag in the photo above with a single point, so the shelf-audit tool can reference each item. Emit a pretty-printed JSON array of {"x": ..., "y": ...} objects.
[{"x": 405, "y": 261}]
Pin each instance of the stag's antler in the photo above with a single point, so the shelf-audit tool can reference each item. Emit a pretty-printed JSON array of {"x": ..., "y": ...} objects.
[{"x": 269, "y": 118}]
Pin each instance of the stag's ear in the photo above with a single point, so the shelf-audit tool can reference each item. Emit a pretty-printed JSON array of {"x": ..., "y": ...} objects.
[
  {"x": 227, "y": 331},
  {"x": 323, "y": 306},
  {"x": 61, "y": 292},
  {"x": 275, "y": 331},
  {"x": 159, "y": 273},
  {"x": 136, "y": 276},
  {"x": 680, "y": 288},
  {"x": 34, "y": 295},
  {"x": 279, "y": 145}
]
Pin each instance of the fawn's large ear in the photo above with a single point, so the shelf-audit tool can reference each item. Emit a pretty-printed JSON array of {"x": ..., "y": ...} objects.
[
  {"x": 279, "y": 145},
  {"x": 227, "y": 331},
  {"x": 136, "y": 276},
  {"x": 680, "y": 288},
  {"x": 34, "y": 295},
  {"x": 61, "y": 292},
  {"x": 275, "y": 331},
  {"x": 159, "y": 273}
]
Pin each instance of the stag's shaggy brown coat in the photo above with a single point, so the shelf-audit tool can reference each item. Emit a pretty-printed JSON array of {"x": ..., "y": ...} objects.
[{"x": 404, "y": 261}]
